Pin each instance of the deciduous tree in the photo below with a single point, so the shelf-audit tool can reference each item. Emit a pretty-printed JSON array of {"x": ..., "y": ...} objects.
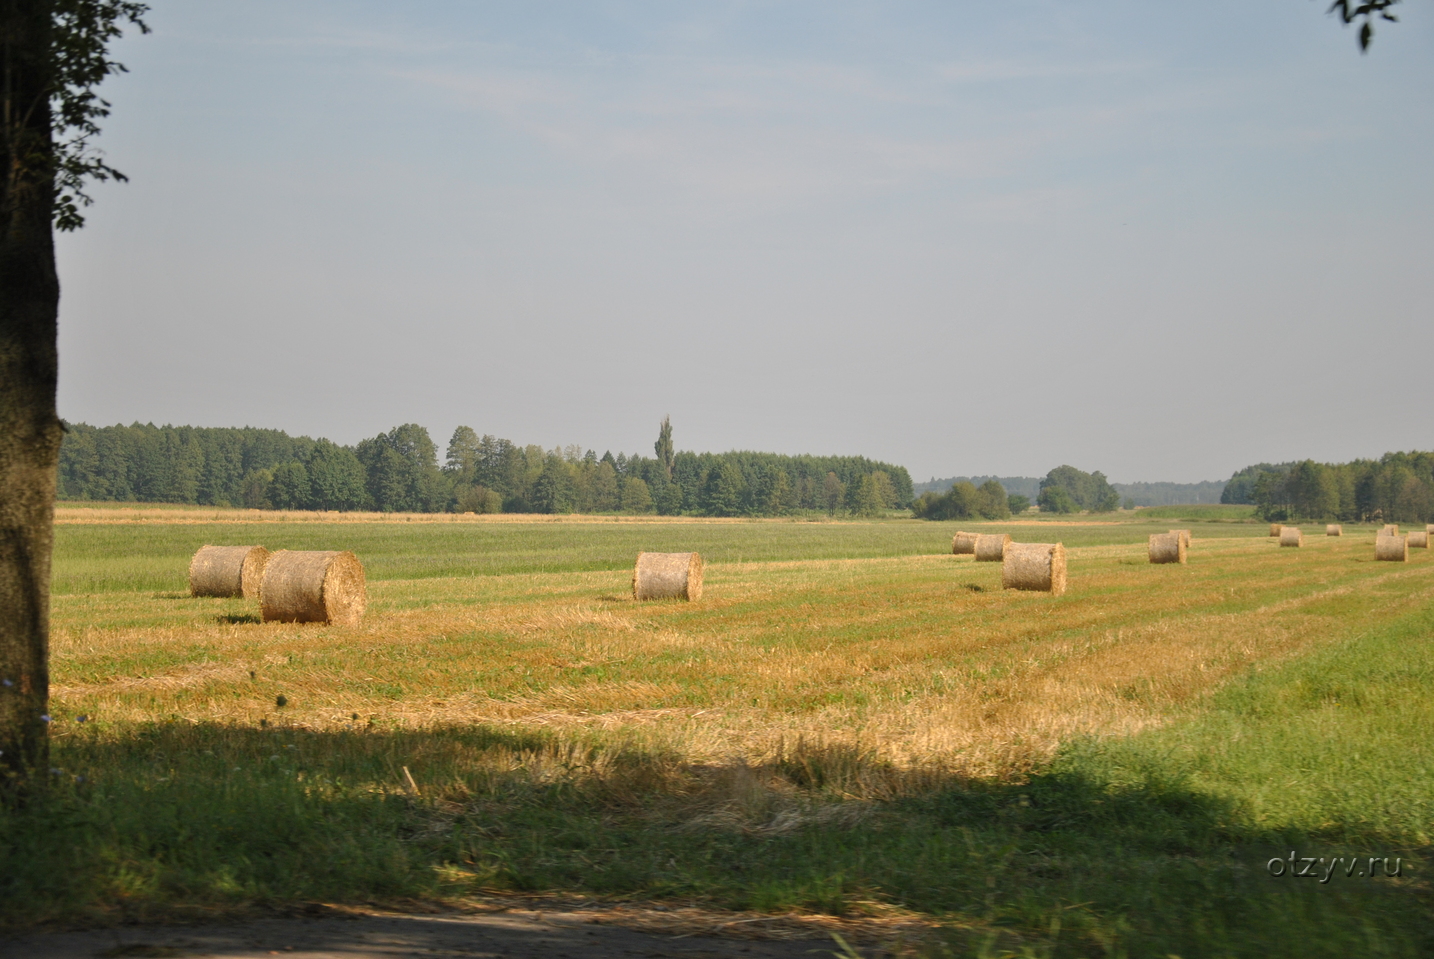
[{"x": 53, "y": 56}]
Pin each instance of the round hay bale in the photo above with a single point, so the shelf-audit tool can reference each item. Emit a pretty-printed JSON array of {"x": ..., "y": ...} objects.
[
  {"x": 313, "y": 586},
  {"x": 1275, "y": 529},
  {"x": 963, "y": 544},
  {"x": 1418, "y": 540},
  {"x": 1291, "y": 536},
  {"x": 1184, "y": 536},
  {"x": 1334, "y": 529},
  {"x": 991, "y": 547},
  {"x": 227, "y": 571},
  {"x": 1429, "y": 527},
  {"x": 1391, "y": 548},
  {"x": 1034, "y": 566},
  {"x": 667, "y": 576},
  {"x": 1391, "y": 528},
  {"x": 1167, "y": 547}
]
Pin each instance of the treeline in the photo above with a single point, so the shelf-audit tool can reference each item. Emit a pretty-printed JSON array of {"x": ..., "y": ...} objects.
[
  {"x": 399, "y": 471},
  {"x": 1396, "y": 488},
  {"x": 1064, "y": 489}
]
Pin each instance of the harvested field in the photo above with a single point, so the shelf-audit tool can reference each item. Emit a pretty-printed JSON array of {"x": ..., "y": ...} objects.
[{"x": 852, "y": 723}]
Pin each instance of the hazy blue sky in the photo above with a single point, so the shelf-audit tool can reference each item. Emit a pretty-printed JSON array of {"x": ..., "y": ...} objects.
[{"x": 1159, "y": 240}]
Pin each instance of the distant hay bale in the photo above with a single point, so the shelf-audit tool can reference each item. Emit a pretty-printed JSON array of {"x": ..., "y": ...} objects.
[
  {"x": 313, "y": 586},
  {"x": 1034, "y": 566},
  {"x": 667, "y": 576},
  {"x": 227, "y": 571},
  {"x": 963, "y": 544},
  {"x": 1275, "y": 529},
  {"x": 1391, "y": 529},
  {"x": 1418, "y": 540},
  {"x": 1391, "y": 548},
  {"x": 991, "y": 547},
  {"x": 1167, "y": 547},
  {"x": 1334, "y": 529},
  {"x": 1184, "y": 536},
  {"x": 1291, "y": 536},
  {"x": 1429, "y": 528}
]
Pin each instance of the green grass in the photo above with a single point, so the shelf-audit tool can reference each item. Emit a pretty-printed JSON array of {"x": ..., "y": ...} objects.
[
  {"x": 98, "y": 558},
  {"x": 1153, "y": 843},
  {"x": 1199, "y": 513}
]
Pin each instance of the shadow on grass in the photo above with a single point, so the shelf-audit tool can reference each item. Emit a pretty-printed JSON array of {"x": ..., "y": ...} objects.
[
  {"x": 144, "y": 822},
  {"x": 237, "y": 619}
]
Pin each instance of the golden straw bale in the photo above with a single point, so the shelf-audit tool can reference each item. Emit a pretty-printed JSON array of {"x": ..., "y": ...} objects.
[
  {"x": 963, "y": 544},
  {"x": 1275, "y": 529},
  {"x": 313, "y": 586},
  {"x": 1334, "y": 529},
  {"x": 1184, "y": 536},
  {"x": 1167, "y": 547},
  {"x": 1418, "y": 540},
  {"x": 1391, "y": 528},
  {"x": 991, "y": 547},
  {"x": 1391, "y": 548},
  {"x": 1429, "y": 527},
  {"x": 1291, "y": 536},
  {"x": 227, "y": 571},
  {"x": 1034, "y": 566},
  {"x": 667, "y": 576}
]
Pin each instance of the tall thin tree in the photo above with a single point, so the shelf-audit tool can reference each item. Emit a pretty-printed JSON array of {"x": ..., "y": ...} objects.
[
  {"x": 663, "y": 446},
  {"x": 53, "y": 54}
]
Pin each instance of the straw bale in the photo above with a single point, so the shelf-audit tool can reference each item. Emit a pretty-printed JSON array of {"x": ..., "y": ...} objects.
[
  {"x": 1167, "y": 547},
  {"x": 1275, "y": 529},
  {"x": 1429, "y": 528},
  {"x": 313, "y": 586},
  {"x": 1334, "y": 529},
  {"x": 227, "y": 571},
  {"x": 963, "y": 544},
  {"x": 667, "y": 576},
  {"x": 1418, "y": 540},
  {"x": 991, "y": 547},
  {"x": 1184, "y": 536},
  {"x": 1034, "y": 566},
  {"x": 1391, "y": 548},
  {"x": 1391, "y": 528},
  {"x": 1291, "y": 536}
]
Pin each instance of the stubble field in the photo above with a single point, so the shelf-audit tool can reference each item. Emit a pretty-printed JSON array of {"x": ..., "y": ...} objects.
[{"x": 852, "y": 729}]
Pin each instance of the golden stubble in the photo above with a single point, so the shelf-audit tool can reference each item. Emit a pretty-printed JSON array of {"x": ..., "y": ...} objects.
[{"x": 919, "y": 664}]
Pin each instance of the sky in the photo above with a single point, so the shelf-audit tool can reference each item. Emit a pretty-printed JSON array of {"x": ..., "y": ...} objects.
[{"x": 1163, "y": 241}]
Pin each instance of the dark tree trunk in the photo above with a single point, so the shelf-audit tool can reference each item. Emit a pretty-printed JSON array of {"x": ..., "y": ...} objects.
[{"x": 29, "y": 426}]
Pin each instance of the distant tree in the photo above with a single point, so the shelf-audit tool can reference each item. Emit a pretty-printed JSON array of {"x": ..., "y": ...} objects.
[
  {"x": 885, "y": 489},
  {"x": 663, "y": 446},
  {"x": 553, "y": 491},
  {"x": 464, "y": 456},
  {"x": 833, "y": 493},
  {"x": 402, "y": 471},
  {"x": 289, "y": 486},
  {"x": 603, "y": 488},
  {"x": 254, "y": 489},
  {"x": 478, "y": 499},
  {"x": 635, "y": 497},
  {"x": 1089, "y": 491},
  {"x": 1018, "y": 504},
  {"x": 991, "y": 500},
  {"x": 868, "y": 497},
  {"x": 782, "y": 496},
  {"x": 336, "y": 478},
  {"x": 1057, "y": 499},
  {"x": 725, "y": 491}
]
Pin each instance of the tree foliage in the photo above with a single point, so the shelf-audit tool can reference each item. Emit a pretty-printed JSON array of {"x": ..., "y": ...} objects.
[
  {"x": 964, "y": 500},
  {"x": 1067, "y": 490},
  {"x": 1366, "y": 10},
  {"x": 1396, "y": 488},
  {"x": 398, "y": 471}
]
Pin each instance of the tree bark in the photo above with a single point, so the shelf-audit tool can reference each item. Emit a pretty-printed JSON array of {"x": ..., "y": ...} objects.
[{"x": 30, "y": 428}]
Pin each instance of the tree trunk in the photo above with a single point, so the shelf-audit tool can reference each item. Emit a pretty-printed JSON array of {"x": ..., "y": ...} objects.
[{"x": 29, "y": 364}]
